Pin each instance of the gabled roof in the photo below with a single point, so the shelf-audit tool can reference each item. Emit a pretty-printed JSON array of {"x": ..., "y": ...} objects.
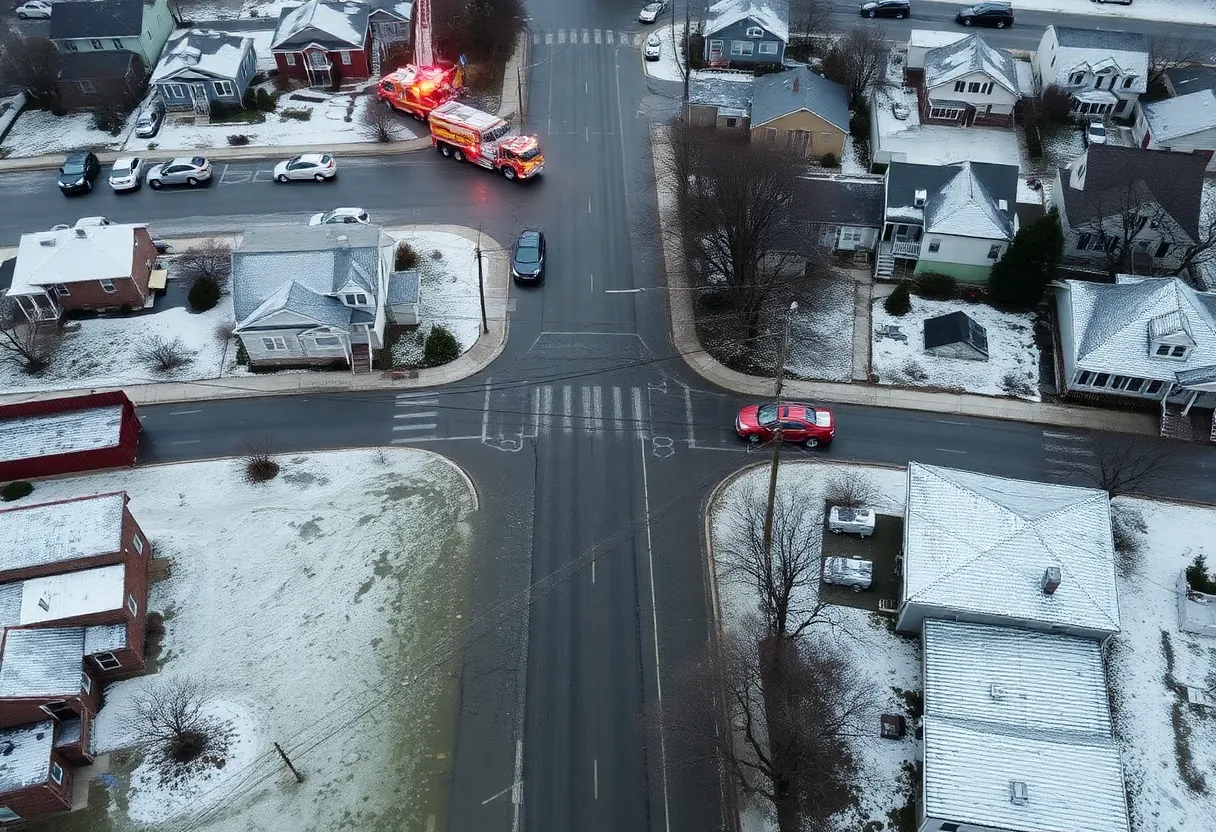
[
  {"x": 1173, "y": 118},
  {"x": 27, "y": 757},
  {"x": 61, "y": 531},
  {"x": 781, "y": 93},
  {"x": 980, "y": 544},
  {"x": 773, "y": 15},
  {"x": 1117, "y": 178},
  {"x": 44, "y": 258},
  {"x": 202, "y": 52},
  {"x": 404, "y": 287},
  {"x": 978, "y": 201},
  {"x": 731, "y": 92},
  {"x": 97, "y": 19},
  {"x": 88, "y": 66},
  {"x": 841, "y": 200},
  {"x": 323, "y": 310},
  {"x": 330, "y": 23},
  {"x": 42, "y": 662},
  {"x": 1094, "y": 49},
  {"x": 1111, "y": 325},
  {"x": 946, "y": 64}
]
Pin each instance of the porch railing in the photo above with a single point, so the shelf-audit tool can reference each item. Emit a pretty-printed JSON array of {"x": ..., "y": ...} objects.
[{"x": 902, "y": 248}]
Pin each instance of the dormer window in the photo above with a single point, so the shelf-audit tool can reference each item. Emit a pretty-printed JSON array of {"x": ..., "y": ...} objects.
[
  {"x": 755, "y": 32},
  {"x": 1076, "y": 78},
  {"x": 355, "y": 299},
  {"x": 1128, "y": 81},
  {"x": 1172, "y": 351}
]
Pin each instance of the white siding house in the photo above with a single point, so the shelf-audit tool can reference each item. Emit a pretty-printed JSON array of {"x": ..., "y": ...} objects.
[
  {"x": 1186, "y": 124},
  {"x": 1103, "y": 72},
  {"x": 969, "y": 82}
]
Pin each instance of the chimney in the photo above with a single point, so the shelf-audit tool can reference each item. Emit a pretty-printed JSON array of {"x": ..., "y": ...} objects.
[
  {"x": 81, "y": 233},
  {"x": 343, "y": 240},
  {"x": 1018, "y": 794},
  {"x": 1051, "y": 580},
  {"x": 996, "y": 692},
  {"x": 919, "y": 198}
]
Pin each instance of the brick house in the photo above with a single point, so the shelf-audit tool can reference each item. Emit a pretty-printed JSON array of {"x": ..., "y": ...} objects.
[
  {"x": 324, "y": 39},
  {"x": 97, "y": 268},
  {"x": 36, "y": 776}
]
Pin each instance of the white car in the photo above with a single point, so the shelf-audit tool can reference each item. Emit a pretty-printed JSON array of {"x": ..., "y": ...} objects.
[
  {"x": 651, "y": 11},
  {"x": 340, "y": 215},
  {"x": 126, "y": 174},
  {"x": 184, "y": 170},
  {"x": 91, "y": 222},
  {"x": 855, "y": 573},
  {"x": 1095, "y": 133},
  {"x": 653, "y": 50},
  {"x": 318, "y": 166},
  {"x": 37, "y": 9}
]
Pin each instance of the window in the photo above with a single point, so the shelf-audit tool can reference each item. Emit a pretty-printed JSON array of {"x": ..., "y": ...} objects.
[
  {"x": 960, "y": 86},
  {"x": 174, "y": 90},
  {"x": 317, "y": 59},
  {"x": 132, "y": 605},
  {"x": 1153, "y": 387},
  {"x": 117, "y": 43},
  {"x": 1162, "y": 250},
  {"x": 345, "y": 58},
  {"x": 1134, "y": 385},
  {"x": 755, "y": 32},
  {"x": 824, "y": 138},
  {"x": 86, "y": 683},
  {"x": 291, "y": 58},
  {"x": 274, "y": 344},
  {"x": 1163, "y": 349},
  {"x": 56, "y": 772},
  {"x": 768, "y": 47},
  {"x": 71, "y": 46},
  {"x": 327, "y": 341},
  {"x": 96, "y": 44},
  {"x": 86, "y": 86},
  {"x": 1085, "y": 378},
  {"x": 741, "y": 47},
  {"x": 355, "y": 299},
  {"x": 715, "y": 48},
  {"x": 1128, "y": 81},
  {"x": 850, "y": 235},
  {"x": 987, "y": 90},
  {"x": 994, "y": 251},
  {"x": 935, "y": 246},
  {"x": 1081, "y": 171},
  {"x": 7, "y": 814},
  {"x": 107, "y": 661},
  {"x": 1121, "y": 105},
  {"x": 224, "y": 89},
  {"x": 138, "y": 543},
  {"x": 62, "y": 290},
  {"x": 1179, "y": 352},
  {"x": 107, "y": 286},
  {"x": 1076, "y": 78},
  {"x": 770, "y": 134},
  {"x": 732, "y": 122},
  {"x": 1118, "y": 383},
  {"x": 974, "y": 86},
  {"x": 943, "y": 112},
  {"x": 1101, "y": 379}
]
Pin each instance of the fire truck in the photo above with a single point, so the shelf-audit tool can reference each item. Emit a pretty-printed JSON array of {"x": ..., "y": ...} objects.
[
  {"x": 462, "y": 133},
  {"x": 418, "y": 90}
]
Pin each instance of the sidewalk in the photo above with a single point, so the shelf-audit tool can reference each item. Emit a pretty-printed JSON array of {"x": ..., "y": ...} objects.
[{"x": 683, "y": 333}]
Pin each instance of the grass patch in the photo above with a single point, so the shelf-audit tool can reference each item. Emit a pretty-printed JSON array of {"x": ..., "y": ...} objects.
[
  {"x": 237, "y": 117},
  {"x": 296, "y": 114},
  {"x": 1191, "y": 775},
  {"x": 903, "y": 818}
]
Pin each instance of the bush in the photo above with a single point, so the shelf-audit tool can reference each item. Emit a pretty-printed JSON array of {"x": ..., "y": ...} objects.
[
  {"x": 935, "y": 286},
  {"x": 265, "y": 101},
  {"x": 898, "y": 303},
  {"x": 406, "y": 257},
  {"x": 260, "y": 466},
  {"x": 440, "y": 348},
  {"x": 242, "y": 354},
  {"x": 222, "y": 109},
  {"x": 850, "y": 488},
  {"x": 250, "y": 99},
  {"x": 1197, "y": 576},
  {"x": 204, "y": 294},
  {"x": 859, "y": 123},
  {"x": 16, "y": 490},
  {"x": 164, "y": 356},
  {"x": 829, "y": 160},
  {"x": 296, "y": 113},
  {"x": 238, "y": 140},
  {"x": 696, "y": 51}
]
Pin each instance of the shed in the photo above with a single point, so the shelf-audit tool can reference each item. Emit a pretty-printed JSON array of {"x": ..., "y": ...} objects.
[
  {"x": 404, "y": 295},
  {"x": 67, "y": 435},
  {"x": 956, "y": 335}
]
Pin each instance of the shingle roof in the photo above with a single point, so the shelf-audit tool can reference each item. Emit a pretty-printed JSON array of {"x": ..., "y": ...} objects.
[
  {"x": 727, "y": 91},
  {"x": 44, "y": 258},
  {"x": 782, "y": 93},
  {"x": 25, "y": 755},
  {"x": 773, "y": 15},
  {"x": 1118, "y": 177},
  {"x": 76, "y": 66},
  {"x": 1188, "y": 79},
  {"x": 955, "y": 328},
  {"x": 1181, "y": 116},
  {"x": 403, "y": 287},
  {"x": 203, "y": 52},
  {"x": 978, "y": 201},
  {"x": 293, "y": 297},
  {"x": 841, "y": 200},
  {"x": 1096, "y": 48},
  {"x": 97, "y": 19},
  {"x": 980, "y": 544},
  {"x": 62, "y": 531},
  {"x": 28, "y": 437},
  {"x": 334, "y": 23},
  {"x": 1111, "y": 325},
  {"x": 42, "y": 662},
  {"x": 947, "y": 64}
]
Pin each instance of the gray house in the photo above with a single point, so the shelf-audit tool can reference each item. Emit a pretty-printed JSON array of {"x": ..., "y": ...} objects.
[
  {"x": 746, "y": 32},
  {"x": 201, "y": 66},
  {"x": 844, "y": 213}
]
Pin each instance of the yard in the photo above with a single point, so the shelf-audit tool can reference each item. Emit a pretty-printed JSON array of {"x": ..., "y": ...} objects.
[
  {"x": 669, "y": 66},
  {"x": 921, "y": 144},
  {"x": 1012, "y": 368},
  {"x": 300, "y": 605}
]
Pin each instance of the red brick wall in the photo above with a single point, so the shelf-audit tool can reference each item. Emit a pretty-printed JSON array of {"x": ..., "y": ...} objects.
[
  {"x": 24, "y": 710},
  {"x": 129, "y": 529},
  {"x": 132, "y": 291},
  {"x": 45, "y": 798},
  {"x": 359, "y": 67}
]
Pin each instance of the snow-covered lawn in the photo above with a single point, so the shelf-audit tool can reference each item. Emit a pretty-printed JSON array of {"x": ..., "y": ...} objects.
[
  {"x": 36, "y": 132},
  {"x": 851, "y": 161},
  {"x": 1198, "y": 12},
  {"x": 668, "y": 67},
  {"x": 907, "y": 140},
  {"x": 312, "y": 609},
  {"x": 1012, "y": 368},
  {"x": 821, "y": 332},
  {"x": 449, "y": 293}
]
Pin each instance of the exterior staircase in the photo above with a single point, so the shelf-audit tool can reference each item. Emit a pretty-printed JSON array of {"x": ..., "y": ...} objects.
[
  {"x": 884, "y": 265},
  {"x": 1198, "y": 425},
  {"x": 376, "y": 51},
  {"x": 361, "y": 358}
]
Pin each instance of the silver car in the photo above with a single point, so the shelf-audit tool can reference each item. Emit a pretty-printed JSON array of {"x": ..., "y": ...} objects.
[
  {"x": 855, "y": 573},
  {"x": 126, "y": 173},
  {"x": 650, "y": 13},
  {"x": 185, "y": 170}
]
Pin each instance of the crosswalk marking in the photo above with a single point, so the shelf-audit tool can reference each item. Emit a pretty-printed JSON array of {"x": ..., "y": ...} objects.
[
  {"x": 609, "y": 35},
  {"x": 546, "y": 408},
  {"x": 637, "y": 40},
  {"x": 425, "y": 414},
  {"x": 567, "y": 408},
  {"x": 618, "y": 422},
  {"x": 430, "y": 426},
  {"x": 597, "y": 35},
  {"x": 561, "y": 36},
  {"x": 548, "y": 38},
  {"x": 586, "y": 36}
]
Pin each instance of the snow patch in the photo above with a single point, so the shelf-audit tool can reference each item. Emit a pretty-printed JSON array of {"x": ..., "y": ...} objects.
[{"x": 449, "y": 294}]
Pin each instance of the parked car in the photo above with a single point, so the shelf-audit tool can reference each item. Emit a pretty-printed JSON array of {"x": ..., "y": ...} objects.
[
  {"x": 858, "y": 521},
  {"x": 653, "y": 49},
  {"x": 126, "y": 174},
  {"x": 92, "y": 222},
  {"x": 528, "y": 257},
  {"x": 318, "y": 166},
  {"x": 1095, "y": 133},
  {"x": 855, "y": 573},
  {"x": 994, "y": 14},
  {"x": 1116, "y": 2},
  {"x": 898, "y": 9},
  {"x": 184, "y": 170},
  {"x": 36, "y": 9},
  {"x": 78, "y": 172},
  {"x": 340, "y": 215},
  {"x": 810, "y": 425},
  {"x": 150, "y": 119},
  {"x": 651, "y": 11}
]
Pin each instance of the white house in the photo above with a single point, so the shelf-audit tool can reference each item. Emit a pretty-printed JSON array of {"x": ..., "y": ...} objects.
[
  {"x": 1186, "y": 124},
  {"x": 990, "y": 550},
  {"x": 949, "y": 219},
  {"x": 312, "y": 295},
  {"x": 1017, "y": 733},
  {"x": 1104, "y": 72},
  {"x": 920, "y": 41},
  {"x": 968, "y": 82}
]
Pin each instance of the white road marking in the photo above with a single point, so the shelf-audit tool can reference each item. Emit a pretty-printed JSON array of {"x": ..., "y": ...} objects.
[
  {"x": 548, "y": 38},
  {"x": 427, "y": 396},
  {"x": 950, "y": 421},
  {"x": 592, "y": 571},
  {"x": 412, "y": 439},
  {"x": 592, "y": 282},
  {"x": 588, "y": 198},
  {"x": 1068, "y": 449},
  {"x": 586, "y": 407},
  {"x": 567, "y": 407},
  {"x": 1073, "y": 463},
  {"x": 574, "y": 35},
  {"x": 618, "y": 410},
  {"x": 621, "y": 291},
  {"x": 546, "y": 407},
  {"x": 1054, "y": 435},
  {"x": 637, "y": 40},
  {"x": 561, "y": 35},
  {"x": 430, "y": 426},
  {"x": 517, "y": 792},
  {"x": 637, "y": 410},
  {"x": 586, "y": 36},
  {"x": 422, "y": 414},
  {"x": 597, "y": 407},
  {"x": 688, "y": 415},
  {"x": 595, "y": 766},
  {"x": 183, "y": 412},
  {"x": 485, "y": 415},
  {"x": 187, "y": 442},
  {"x": 949, "y": 451},
  {"x": 597, "y": 35}
]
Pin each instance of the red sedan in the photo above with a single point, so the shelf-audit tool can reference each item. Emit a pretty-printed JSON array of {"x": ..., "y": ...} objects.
[{"x": 812, "y": 426}]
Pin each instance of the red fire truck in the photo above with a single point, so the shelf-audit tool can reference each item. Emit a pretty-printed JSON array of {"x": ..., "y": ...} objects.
[
  {"x": 465, "y": 134},
  {"x": 418, "y": 90}
]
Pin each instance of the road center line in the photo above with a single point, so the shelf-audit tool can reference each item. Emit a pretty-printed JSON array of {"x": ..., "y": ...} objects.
[
  {"x": 588, "y": 205},
  {"x": 187, "y": 442},
  {"x": 183, "y": 412},
  {"x": 949, "y": 451},
  {"x": 621, "y": 291},
  {"x": 517, "y": 792},
  {"x": 595, "y": 775},
  {"x": 950, "y": 422}
]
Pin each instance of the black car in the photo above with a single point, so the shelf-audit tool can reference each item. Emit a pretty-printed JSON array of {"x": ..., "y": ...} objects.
[
  {"x": 998, "y": 15},
  {"x": 528, "y": 258},
  {"x": 78, "y": 172},
  {"x": 898, "y": 9}
]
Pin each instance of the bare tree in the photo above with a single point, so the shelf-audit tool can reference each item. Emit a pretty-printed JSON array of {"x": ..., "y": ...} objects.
[
  {"x": 1200, "y": 250},
  {"x": 164, "y": 356},
  {"x": 209, "y": 259},
  {"x": 1131, "y": 464},
  {"x": 1173, "y": 49},
  {"x": 29, "y": 63},
  {"x": 785, "y": 580},
  {"x": 22, "y": 343},
  {"x": 1132, "y": 224},
  {"x": 851, "y": 488},
  {"x": 224, "y": 330},
  {"x": 1052, "y": 106},
  {"x": 858, "y": 59},
  {"x": 171, "y": 716},
  {"x": 808, "y": 19},
  {"x": 381, "y": 123},
  {"x": 260, "y": 464}
]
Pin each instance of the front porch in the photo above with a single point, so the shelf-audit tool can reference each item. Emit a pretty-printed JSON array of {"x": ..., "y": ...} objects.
[
  {"x": 38, "y": 307},
  {"x": 898, "y": 251}
]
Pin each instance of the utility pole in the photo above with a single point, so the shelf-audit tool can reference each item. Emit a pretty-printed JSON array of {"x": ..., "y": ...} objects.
[
  {"x": 283, "y": 754},
  {"x": 687, "y": 57},
  {"x": 481, "y": 285},
  {"x": 772, "y": 474}
]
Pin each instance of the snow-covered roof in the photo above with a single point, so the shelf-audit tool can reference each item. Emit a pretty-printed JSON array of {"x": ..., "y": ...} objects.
[
  {"x": 933, "y": 38},
  {"x": 30, "y": 437},
  {"x": 202, "y": 52},
  {"x": 730, "y": 92},
  {"x": 61, "y": 531},
  {"x": 1172, "y": 118},
  {"x": 965, "y": 206},
  {"x": 781, "y": 93},
  {"x": 84, "y": 592},
  {"x": 42, "y": 662},
  {"x": 773, "y": 15},
  {"x": 104, "y": 638},
  {"x": 981, "y": 544},
  {"x": 304, "y": 301},
  {"x": 1025, "y": 75},
  {"x": 1181, "y": 80},
  {"x": 1091, "y": 50},
  {"x": 25, "y": 755},
  {"x": 1112, "y": 325},
  {"x": 404, "y": 287},
  {"x": 10, "y": 604},
  {"x": 946, "y": 64},
  {"x": 325, "y": 22},
  {"x": 73, "y": 255}
]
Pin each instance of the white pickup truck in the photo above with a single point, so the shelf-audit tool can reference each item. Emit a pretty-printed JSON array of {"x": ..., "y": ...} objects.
[{"x": 858, "y": 521}]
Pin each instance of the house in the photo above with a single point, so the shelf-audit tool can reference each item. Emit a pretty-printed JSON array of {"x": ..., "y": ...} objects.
[
  {"x": 1040, "y": 702},
  {"x": 1103, "y": 71},
  {"x": 990, "y": 550},
  {"x": 83, "y": 80},
  {"x": 1139, "y": 338},
  {"x": 35, "y": 777},
  {"x": 67, "y": 435},
  {"x": 948, "y": 219},
  {"x": 1181, "y": 80},
  {"x": 96, "y": 268},
  {"x": 801, "y": 111},
  {"x": 1128, "y": 209},
  {"x": 920, "y": 41},
  {"x": 312, "y": 295},
  {"x": 43, "y": 673},
  {"x": 201, "y": 66},
  {"x": 956, "y": 335},
  {"x": 404, "y": 295},
  {"x": 844, "y": 212},
  {"x": 346, "y": 39},
  {"x": 968, "y": 82},
  {"x": 746, "y": 32},
  {"x": 139, "y": 26},
  {"x": 1186, "y": 124},
  {"x": 68, "y": 535},
  {"x": 720, "y": 99}
]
